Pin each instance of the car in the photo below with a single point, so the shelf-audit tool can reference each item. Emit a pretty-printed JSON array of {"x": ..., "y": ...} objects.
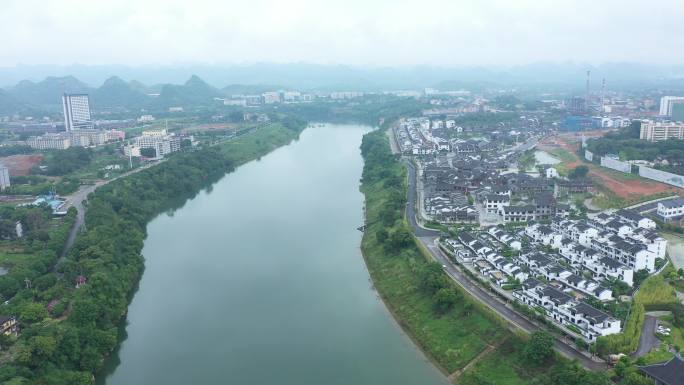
[{"x": 444, "y": 266}]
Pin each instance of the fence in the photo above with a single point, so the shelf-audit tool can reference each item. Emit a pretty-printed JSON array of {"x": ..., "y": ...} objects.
[
  {"x": 616, "y": 164},
  {"x": 661, "y": 176}
]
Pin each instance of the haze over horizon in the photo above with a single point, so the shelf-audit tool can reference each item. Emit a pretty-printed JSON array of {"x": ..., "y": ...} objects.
[{"x": 383, "y": 33}]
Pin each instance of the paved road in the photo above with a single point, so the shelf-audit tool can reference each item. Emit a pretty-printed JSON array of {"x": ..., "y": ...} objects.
[
  {"x": 428, "y": 238},
  {"x": 411, "y": 205},
  {"x": 76, "y": 200},
  {"x": 648, "y": 339},
  {"x": 528, "y": 145}
]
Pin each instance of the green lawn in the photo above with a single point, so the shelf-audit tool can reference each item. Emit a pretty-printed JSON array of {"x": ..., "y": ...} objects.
[
  {"x": 502, "y": 366},
  {"x": 657, "y": 355},
  {"x": 263, "y": 140},
  {"x": 563, "y": 154}
]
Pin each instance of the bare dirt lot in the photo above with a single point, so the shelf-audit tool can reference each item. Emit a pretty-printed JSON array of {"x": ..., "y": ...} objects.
[
  {"x": 19, "y": 165},
  {"x": 623, "y": 185}
]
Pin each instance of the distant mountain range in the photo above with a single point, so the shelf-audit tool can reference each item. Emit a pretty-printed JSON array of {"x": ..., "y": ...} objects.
[
  {"x": 174, "y": 87},
  {"x": 113, "y": 94},
  {"x": 305, "y": 76}
]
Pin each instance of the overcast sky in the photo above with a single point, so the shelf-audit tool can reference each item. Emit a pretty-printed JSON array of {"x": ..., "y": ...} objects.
[{"x": 356, "y": 32}]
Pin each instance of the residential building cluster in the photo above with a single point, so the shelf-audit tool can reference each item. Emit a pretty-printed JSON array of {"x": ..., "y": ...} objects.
[
  {"x": 653, "y": 131},
  {"x": 74, "y": 138},
  {"x": 161, "y": 141},
  {"x": 267, "y": 98},
  {"x": 559, "y": 264}
]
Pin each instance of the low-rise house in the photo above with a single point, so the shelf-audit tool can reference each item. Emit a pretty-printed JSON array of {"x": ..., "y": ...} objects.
[
  {"x": 498, "y": 277},
  {"x": 671, "y": 210},
  {"x": 566, "y": 310},
  {"x": 636, "y": 219},
  {"x": 494, "y": 202},
  {"x": 544, "y": 234},
  {"x": 666, "y": 373},
  {"x": 9, "y": 325}
]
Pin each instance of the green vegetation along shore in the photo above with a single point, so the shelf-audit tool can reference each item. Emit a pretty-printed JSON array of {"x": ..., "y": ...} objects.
[
  {"x": 70, "y": 347},
  {"x": 453, "y": 330}
]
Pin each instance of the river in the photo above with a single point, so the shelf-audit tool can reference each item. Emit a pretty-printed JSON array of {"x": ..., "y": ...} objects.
[{"x": 260, "y": 280}]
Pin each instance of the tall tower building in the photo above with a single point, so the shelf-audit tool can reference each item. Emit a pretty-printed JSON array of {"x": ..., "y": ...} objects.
[
  {"x": 668, "y": 102},
  {"x": 76, "y": 112},
  {"x": 4, "y": 177}
]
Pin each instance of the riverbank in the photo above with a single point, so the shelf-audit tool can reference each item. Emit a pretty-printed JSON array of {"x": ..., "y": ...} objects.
[
  {"x": 451, "y": 339},
  {"x": 108, "y": 257},
  {"x": 455, "y": 332}
]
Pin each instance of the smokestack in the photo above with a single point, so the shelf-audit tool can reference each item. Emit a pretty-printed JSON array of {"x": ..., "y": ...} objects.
[
  {"x": 603, "y": 94},
  {"x": 586, "y": 97}
]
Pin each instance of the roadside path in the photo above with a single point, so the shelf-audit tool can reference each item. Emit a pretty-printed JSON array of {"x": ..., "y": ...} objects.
[
  {"x": 648, "y": 339},
  {"x": 453, "y": 376}
]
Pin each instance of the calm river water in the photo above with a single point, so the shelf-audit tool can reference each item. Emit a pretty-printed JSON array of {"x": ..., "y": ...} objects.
[{"x": 261, "y": 281}]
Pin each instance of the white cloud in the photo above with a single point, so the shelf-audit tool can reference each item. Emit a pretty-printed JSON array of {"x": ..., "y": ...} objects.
[{"x": 369, "y": 32}]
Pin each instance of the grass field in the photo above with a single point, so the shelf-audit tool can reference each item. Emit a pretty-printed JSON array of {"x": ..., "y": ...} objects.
[
  {"x": 502, "y": 366},
  {"x": 563, "y": 154},
  {"x": 263, "y": 140}
]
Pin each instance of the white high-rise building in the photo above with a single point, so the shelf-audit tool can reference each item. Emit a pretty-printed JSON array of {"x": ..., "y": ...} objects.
[
  {"x": 667, "y": 102},
  {"x": 4, "y": 177},
  {"x": 76, "y": 112},
  {"x": 657, "y": 131}
]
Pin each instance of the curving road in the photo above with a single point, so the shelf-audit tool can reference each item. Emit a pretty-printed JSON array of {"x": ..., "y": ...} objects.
[
  {"x": 429, "y": 238},
  {"x": 647, "y": 339},
  {"x": 76, "y": 200}
]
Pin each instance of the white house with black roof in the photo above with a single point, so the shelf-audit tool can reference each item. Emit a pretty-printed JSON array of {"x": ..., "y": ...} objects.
[
  {"x": 564, "y": 309},
  {"x": 671, "y": 210}
]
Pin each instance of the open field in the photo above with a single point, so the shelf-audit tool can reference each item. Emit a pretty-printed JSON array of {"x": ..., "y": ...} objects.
[
  {"x": 629, "y": 187},
  {"x": 502, "y": 366}
]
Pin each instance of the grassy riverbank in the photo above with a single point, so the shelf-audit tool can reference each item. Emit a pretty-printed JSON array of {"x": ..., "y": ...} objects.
[
  {"x": 70, "y": 348},
  {"x": 453, "y": 330}
]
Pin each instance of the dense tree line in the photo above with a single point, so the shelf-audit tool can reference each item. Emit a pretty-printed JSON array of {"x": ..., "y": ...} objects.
[
  {"x": 369, "y": 109},
  {"x": 62, "y": 162},
  {"x": 15, "y": 150},
  {"x": 109, "y": 256}
]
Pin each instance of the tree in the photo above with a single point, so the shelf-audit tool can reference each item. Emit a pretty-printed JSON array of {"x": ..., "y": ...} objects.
[
  {"x": 444, "y": 299},
  {"x": 382, "y": 235},
  {"x": 432, "y": 278},
  {"x": 640, "y": 276},
  {"x": 635, "y": 378},
  {"x": 578, "y": 172},
  {"x": 43, "y": 346},
  {"x": 621, "y": 367},
  {"x": 539, "y": 348},
  {"x": 619, "y": 287},
  {"x": 33, "y": 312},
  {"x": 399, "y": 239}
]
